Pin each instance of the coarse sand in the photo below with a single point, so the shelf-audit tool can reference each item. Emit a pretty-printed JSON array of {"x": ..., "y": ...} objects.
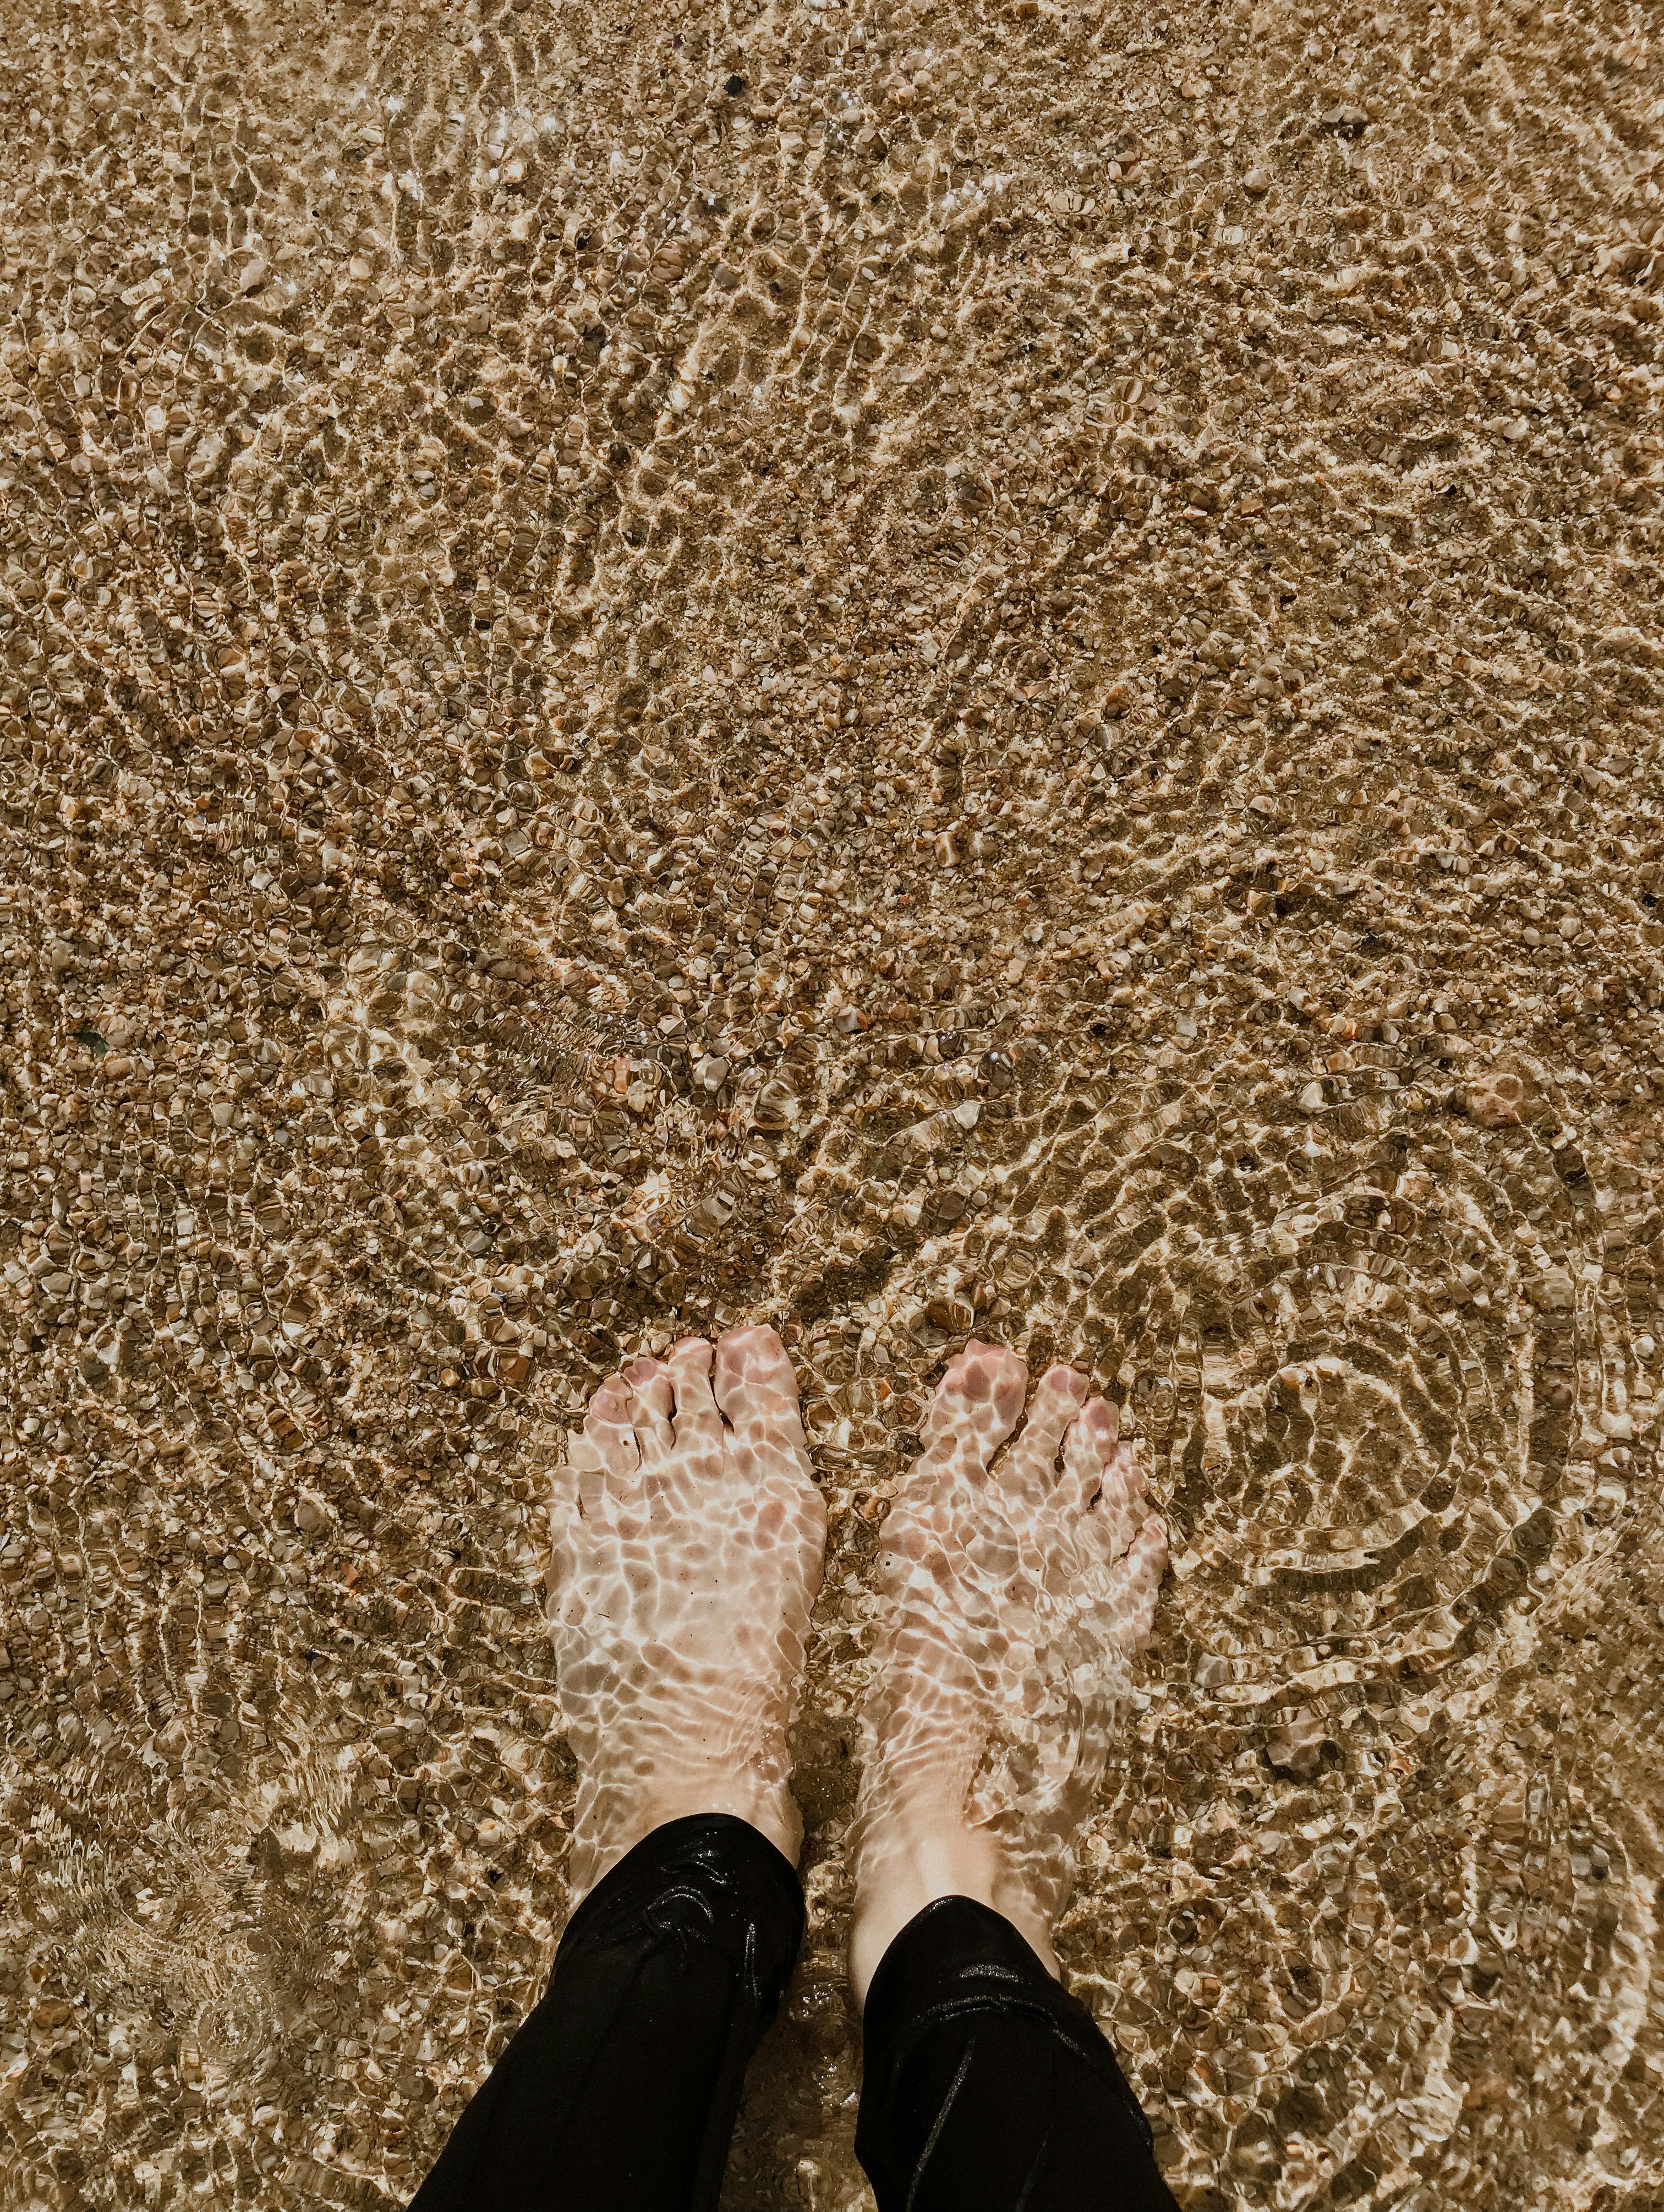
[{"x": 905, "y": 670}]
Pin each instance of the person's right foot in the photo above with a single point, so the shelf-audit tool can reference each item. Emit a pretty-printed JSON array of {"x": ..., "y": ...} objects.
[
  {"x": 687, "y": 1535},
  {"x": 1018, "y": 1595}
]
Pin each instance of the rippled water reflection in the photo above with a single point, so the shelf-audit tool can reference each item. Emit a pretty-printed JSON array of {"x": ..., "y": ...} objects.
[{"x": 913, "y": 672}]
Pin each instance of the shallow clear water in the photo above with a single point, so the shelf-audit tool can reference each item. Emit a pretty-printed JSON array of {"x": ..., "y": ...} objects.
[{"x": 999, "y": 678}]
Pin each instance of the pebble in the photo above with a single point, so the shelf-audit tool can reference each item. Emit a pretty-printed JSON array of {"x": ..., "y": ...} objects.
[
  {"x": 1499, "y": 1097},
  {"x": 1297, "y": 1747}
]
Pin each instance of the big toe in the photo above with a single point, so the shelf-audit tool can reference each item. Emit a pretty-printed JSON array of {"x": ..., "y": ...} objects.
[
  {"x": 1137, "y": 1581},
  {"x": 1030, "y": 1466},
  {"x": 1122, "y": 1501},
  {"x": 1087, "y": 1452},
  {"x": 977, "y": 1401},
  {"x": 757, "y": 1388}
]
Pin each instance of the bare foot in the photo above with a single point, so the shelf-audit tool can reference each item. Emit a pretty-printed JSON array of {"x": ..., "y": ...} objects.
[
  {"x": 687, "y": 1536},
  {"x": 1018, "y": 1596}
]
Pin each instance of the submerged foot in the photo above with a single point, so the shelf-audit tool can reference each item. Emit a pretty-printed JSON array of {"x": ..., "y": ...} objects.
[
  {"x": 688, "y": 1535},
  {"x": 1017, "y": 1591}
]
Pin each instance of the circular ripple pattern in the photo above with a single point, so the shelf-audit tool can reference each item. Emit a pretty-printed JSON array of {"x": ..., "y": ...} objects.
[{"x": 909, "y": 670}]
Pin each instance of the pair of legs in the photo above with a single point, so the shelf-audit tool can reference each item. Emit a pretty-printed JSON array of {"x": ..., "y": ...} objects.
[{"x": 1019, "y": 1575}]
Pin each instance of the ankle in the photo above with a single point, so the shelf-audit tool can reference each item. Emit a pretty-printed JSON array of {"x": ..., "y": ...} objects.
[
  {"x": 901, "y": 1873},
  {"x": 601, "y": 1841},
  {"x": 770, "y": 1807}
]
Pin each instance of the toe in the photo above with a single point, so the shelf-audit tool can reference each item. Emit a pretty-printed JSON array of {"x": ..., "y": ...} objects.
[
  {"x": 653, "y": 1401},
  {"x": 1029, "y": 1467},
  {"x": 757, "y": 1390},
  {"x": 609, "y": 1427},
  {"x": 605, "y": 1455},
  {"x": 1087, "y": 1451},
  {"x": 978, "y": 1400},
  {"x": 698, "y": 1423},
  {"x": 1137, "y": 1580},
  {"x": 1121, "y": 1503}
]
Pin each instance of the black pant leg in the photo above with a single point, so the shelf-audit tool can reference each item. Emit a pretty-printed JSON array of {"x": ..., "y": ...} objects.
[
  {"x": 987, "y": 2088},
  {"x": 618, "y": 2093}
]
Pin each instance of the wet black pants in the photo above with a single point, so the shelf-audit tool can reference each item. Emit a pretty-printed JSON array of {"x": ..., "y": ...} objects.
[{"x": 987, "y": 2088}]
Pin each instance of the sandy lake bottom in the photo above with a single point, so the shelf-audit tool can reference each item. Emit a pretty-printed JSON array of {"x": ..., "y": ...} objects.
[{"x": 913, "y": 671}]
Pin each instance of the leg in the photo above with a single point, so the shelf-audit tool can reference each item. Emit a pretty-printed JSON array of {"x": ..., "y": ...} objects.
[
  {"x": 618, "y": 2093},
  {"x": 1018, "y": 1595},
  {"x": 987, "y": 2088},
  {"x": 688, "y": 1535}
]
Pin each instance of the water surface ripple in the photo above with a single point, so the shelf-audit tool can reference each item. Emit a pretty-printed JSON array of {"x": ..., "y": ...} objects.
[{"x": 916, "y": 671}]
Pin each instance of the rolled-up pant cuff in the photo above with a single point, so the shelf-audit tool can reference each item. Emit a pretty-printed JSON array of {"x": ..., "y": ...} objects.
[
  {"x": 619, "y": 2093},
  {"x": 987, "y": 2087}
]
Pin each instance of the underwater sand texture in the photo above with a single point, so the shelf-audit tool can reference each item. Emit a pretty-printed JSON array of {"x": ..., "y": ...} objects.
[{"x": 899, "y": 669}]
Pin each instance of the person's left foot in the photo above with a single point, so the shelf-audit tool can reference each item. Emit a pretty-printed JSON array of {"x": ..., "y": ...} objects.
[
  {"x": 1018, "y": 1585},
  {"x": 687, "y": 1536}
]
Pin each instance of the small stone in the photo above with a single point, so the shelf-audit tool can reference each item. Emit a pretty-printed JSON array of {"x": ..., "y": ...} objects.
[
  {"x": 312, "y": 1513},
  {"x": 1297, "y": 1747},
  {"x": 1498, "y": 1098},
  {"x": 776, "y": 1105},
  {"x": 712, "y": 1214}
]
